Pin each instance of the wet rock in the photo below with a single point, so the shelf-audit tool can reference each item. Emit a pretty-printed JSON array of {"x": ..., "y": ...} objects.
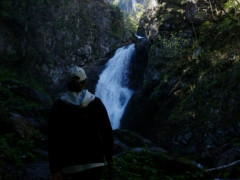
[
  {"x": 131, "y": 139},
  {"x": 93, "y": 70}
]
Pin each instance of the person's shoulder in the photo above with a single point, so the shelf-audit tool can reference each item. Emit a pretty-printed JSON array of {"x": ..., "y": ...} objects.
[
  {"x": 58, "y": 103},
  {"x": 97, "y": 101}
]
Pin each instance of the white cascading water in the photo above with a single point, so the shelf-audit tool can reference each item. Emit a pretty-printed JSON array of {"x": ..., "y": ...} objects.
[{"x": 112, "y": 84}]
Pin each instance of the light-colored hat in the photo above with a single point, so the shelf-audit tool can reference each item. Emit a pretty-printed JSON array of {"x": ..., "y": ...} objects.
[{"x": 77, "y": 71}]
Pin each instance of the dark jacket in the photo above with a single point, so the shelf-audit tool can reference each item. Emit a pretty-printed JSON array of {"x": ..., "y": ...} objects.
[{"x": 79, "y": 135}]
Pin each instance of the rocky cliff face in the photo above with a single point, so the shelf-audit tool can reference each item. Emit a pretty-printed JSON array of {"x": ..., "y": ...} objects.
[
  {"x": 131, "y": 7},
  {"x": 47, "y": 37},
  {"x": 39, "y": 40},
  {"x": 132, "y": 10},
  {"x": 189, "y": 99}
]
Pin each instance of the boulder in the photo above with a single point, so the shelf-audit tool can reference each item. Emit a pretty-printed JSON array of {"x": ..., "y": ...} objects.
[{"x": 27, "y": 92}]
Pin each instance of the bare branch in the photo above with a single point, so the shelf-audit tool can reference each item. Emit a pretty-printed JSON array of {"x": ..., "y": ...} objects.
[{"x": 224, "y": 166}]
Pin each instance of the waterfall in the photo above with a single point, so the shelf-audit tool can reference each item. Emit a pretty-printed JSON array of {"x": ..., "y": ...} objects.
[
  {"x": 134, "y": 5},
  {"x": 112, "y": 87},
  {"x": 154, "y": 3}
]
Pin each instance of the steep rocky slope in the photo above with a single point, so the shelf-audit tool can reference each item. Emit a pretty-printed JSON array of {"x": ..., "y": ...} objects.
[
  {"x": 46, "y": 37},
  {"x": 189, "y": 101},
  {"x": 132, "y": 10}
]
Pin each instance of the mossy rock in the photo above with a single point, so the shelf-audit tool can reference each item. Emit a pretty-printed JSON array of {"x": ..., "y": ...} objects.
[{"x": 131, "y": 139}]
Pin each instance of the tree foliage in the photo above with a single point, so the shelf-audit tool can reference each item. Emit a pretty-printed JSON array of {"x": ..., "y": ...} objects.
[{"x": 5, "y": 7}]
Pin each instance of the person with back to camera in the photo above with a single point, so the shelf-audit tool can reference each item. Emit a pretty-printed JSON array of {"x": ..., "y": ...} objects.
[{"x": 80, "y": 134}]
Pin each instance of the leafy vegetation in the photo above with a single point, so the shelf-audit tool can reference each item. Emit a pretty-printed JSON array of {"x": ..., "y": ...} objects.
[
  {"x": 145, "y": 164},
  {"x": 132, "y": 11},
  {"x": 192, "y": 79},
  {"x": 5, "y": 6},
  {"x": 19, "y": 142},
  {"x": 214, "y": 93}
]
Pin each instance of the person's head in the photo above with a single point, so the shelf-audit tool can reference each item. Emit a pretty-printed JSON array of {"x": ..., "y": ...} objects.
[{"x": 77, "y": 79}]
